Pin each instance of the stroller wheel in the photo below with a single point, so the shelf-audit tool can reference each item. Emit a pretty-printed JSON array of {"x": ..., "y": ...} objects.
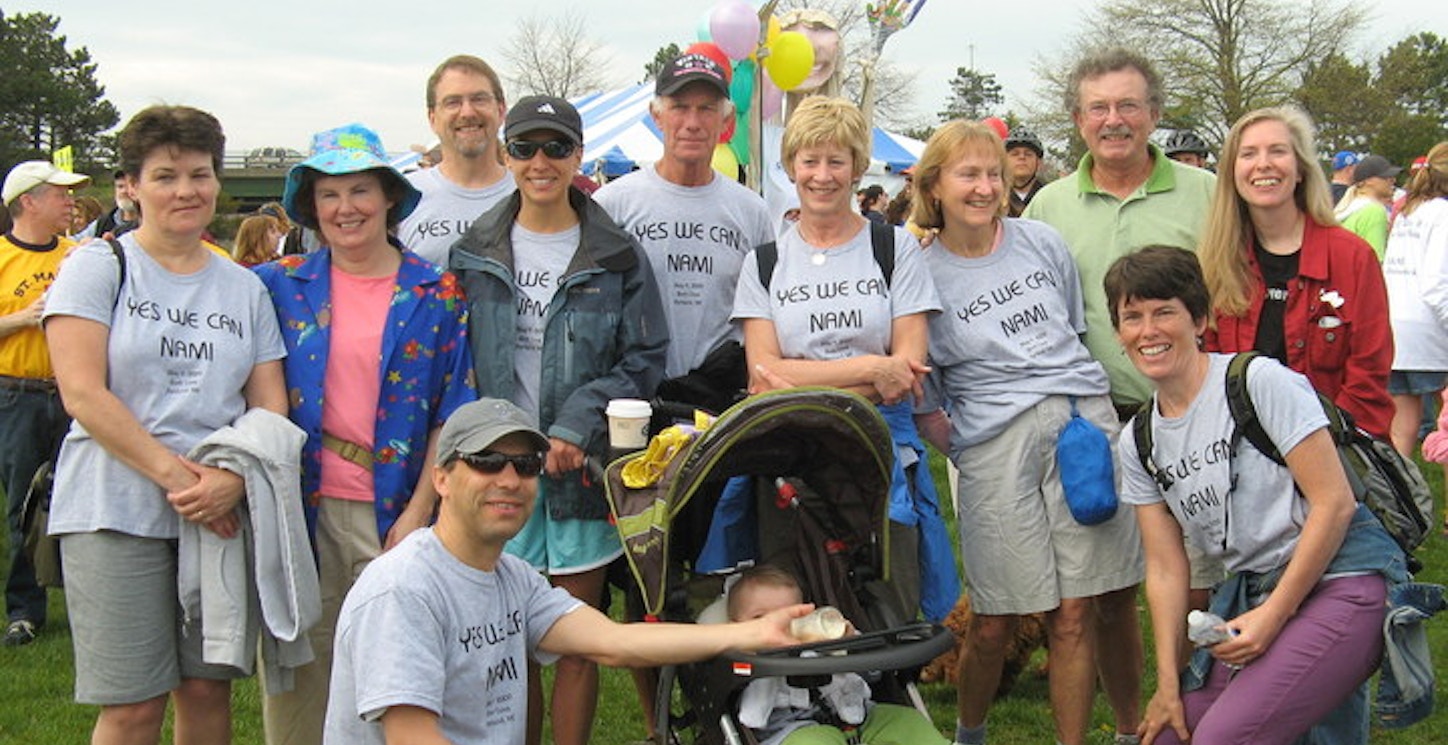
[{"x": 703, "y": 719}]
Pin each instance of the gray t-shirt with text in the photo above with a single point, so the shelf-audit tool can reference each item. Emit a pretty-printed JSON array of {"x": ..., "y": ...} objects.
[
  {"x": 1009, "y": 335},
  {"x": 181, "y": 348},
  {"x": 421, "y": 628},
  {"x": 446, "y": 212},
  {"x": 696, "y": 238},
  {"x": 835, "y": 304},
  {"x": 539, "y": 263},
  {"x": 1247, "y": 513}
]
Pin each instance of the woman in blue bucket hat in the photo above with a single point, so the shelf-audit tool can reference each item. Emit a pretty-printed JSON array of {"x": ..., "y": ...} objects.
[{"x": 377, "y": 359}]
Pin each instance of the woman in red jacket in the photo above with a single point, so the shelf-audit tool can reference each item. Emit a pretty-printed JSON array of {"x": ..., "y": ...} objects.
[{"x": 1285, "y": 279}]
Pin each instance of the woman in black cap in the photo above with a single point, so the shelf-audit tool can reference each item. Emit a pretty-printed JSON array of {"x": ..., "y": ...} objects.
[{"x": 564, "y": 316}]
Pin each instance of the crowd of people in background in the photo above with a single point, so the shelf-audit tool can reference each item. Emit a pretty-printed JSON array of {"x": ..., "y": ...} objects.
[{"x": 344, "y": 346}]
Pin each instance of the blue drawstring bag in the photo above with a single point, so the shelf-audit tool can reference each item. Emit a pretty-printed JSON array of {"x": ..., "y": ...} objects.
[{"x": 1083, "y": 455}]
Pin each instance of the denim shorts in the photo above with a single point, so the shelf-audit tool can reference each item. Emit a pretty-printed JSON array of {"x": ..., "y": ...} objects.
[{"x": 1416, "y": 382}]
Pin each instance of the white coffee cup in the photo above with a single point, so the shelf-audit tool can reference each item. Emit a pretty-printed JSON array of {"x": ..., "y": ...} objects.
[
  {"x": 628, "y": 423},
  {"x": 822, "y": 624}
]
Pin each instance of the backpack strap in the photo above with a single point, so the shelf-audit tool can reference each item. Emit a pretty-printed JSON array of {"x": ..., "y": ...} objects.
[
  {"x": 1141, "y": 433},
  {"x": 121, "y": 262},
  {"x": 882, "y": 242},
  {"x": 1245, "y": 422},
  {"x": 766, "y": 255}
]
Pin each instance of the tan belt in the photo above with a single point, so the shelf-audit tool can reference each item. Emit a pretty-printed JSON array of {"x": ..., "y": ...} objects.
[{"x": 348, "y": 450}]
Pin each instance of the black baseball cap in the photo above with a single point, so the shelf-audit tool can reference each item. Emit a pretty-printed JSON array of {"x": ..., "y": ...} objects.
[
  {"x": 690, "y": 68},
  {"x": 533, "y": 113}
]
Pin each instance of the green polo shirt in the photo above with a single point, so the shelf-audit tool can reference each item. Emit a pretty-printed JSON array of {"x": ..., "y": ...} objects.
[{"x": 1169, "y": 209}]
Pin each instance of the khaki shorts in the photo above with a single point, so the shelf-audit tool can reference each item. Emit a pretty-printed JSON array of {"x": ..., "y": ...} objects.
[
  {"x": 1023, "y": 552},
  {"x": 125, "y": 619}
]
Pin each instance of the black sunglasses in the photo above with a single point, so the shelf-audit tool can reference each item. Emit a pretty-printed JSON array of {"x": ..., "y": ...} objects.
[
  {"x": 490, "y": 462},
  {"x": 554, "y": 149}
]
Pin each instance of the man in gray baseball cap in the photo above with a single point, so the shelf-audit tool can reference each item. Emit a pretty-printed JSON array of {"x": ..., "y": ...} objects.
[{"x": 434, "y": 637}]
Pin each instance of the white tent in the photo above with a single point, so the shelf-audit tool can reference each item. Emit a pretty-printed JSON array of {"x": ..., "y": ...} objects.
[{"x": 619, "y": 135}]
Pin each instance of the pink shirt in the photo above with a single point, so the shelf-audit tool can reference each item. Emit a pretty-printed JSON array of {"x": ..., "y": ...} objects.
[
  {"x": 353, "y": 378},
  {"x": 1435, "y": 445}
]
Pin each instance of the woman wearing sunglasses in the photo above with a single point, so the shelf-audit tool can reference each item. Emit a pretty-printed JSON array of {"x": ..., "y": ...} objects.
[
  {"x": 377, "y": 358},
  {"x": 564, "y": 316}
]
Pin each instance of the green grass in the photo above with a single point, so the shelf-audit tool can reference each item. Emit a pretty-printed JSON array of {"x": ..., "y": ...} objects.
[{"x": 36, "y": 680}]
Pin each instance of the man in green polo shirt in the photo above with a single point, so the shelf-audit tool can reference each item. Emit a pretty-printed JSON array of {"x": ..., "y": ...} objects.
[{"x": 1124, "y": 195}]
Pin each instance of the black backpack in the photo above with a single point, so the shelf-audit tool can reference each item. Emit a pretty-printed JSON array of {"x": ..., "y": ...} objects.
[{"x": 1390, "y": 485}]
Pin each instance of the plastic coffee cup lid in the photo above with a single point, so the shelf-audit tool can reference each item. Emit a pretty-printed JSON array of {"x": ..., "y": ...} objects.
[{"x": 629, "y": 408}]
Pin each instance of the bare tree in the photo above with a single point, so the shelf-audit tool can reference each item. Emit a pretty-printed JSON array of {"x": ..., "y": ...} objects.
[
  {"x": 1219, "y": 59},
  {"x": 554, "y": 56}
]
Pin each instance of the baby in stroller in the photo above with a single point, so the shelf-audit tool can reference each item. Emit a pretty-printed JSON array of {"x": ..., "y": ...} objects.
[{"x": 839, "y": 712}]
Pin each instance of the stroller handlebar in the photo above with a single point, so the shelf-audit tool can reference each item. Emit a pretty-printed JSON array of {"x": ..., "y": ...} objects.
[{"x": 902, "y": 647}]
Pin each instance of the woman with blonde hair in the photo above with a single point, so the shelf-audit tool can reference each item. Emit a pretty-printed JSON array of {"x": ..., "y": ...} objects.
[
  {"x": 1285, "y": 279},
  {"x": 1415, "y": 267},
  {"x": 1010, "y": 387},
  {"x": 822, "y": 308},
  {"x": 257, "y": 240}
]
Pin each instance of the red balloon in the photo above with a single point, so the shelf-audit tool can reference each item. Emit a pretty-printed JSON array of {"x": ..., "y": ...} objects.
[
  {"x": 728, "y": 133},
  {"x": 995, "y": 122},
  {"x": 712, "y": 51}
]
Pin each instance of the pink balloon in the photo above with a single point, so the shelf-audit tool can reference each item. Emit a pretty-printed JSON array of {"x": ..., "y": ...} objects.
[
  {"x": 995, "y": 122},
  {"x": 734, "y": 26},
  {"x": 771, "y": 98}
]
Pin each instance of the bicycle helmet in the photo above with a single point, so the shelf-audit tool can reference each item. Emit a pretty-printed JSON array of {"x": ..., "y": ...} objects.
[
  {"x": 1185, "y": 141},
  {"x": 1022, "y": 137}
]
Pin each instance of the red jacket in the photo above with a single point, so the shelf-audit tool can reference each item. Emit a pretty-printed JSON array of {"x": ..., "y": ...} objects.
[{"x": 1345, "y": 351}]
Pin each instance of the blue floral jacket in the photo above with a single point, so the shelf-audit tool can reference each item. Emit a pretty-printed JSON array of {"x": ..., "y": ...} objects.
[{"x": 426, "y": 369}]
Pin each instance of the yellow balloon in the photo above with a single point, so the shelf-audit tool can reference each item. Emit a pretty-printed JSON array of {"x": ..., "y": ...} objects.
[
  {"x": 790, "y": 58},
  {"x": 724, "y": 161}
]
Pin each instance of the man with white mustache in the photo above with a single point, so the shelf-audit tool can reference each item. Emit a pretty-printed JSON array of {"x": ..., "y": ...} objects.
[{"x": 1125, "y": 194}]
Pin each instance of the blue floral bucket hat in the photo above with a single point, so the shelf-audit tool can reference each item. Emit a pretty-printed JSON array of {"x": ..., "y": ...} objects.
[{"x": 351, "y": 148}]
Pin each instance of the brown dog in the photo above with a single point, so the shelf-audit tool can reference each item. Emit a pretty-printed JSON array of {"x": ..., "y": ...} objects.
[{"x": 1030, "y": 635}]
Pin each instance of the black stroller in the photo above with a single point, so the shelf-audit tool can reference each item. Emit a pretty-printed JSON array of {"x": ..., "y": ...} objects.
[{"x": 815, "y": 503}]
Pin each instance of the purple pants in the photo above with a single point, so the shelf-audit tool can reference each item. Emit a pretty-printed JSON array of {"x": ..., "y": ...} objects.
[{"x": 1325, "y": 652}]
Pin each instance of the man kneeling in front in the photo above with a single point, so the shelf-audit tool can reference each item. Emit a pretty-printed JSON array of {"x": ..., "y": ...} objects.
[{"x": 432, "y": 638}]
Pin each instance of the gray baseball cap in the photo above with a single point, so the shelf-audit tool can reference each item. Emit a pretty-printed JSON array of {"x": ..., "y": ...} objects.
[{"x": 476, "y": 425}]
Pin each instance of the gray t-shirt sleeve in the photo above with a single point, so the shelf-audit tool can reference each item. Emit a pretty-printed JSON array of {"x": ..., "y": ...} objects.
[
  {"x": 406, "y": 670},
  {"x": 87, "y": 285},
  {"x": 1137, "y": 486},
  {"x": 911, "y": 288}
]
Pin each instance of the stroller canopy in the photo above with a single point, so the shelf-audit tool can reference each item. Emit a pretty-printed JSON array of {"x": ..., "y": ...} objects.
[{"x": 831, "y": 441}]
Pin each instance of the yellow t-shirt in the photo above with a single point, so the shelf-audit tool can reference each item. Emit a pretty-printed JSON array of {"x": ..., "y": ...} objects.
[{"x": 25, "y": 274}]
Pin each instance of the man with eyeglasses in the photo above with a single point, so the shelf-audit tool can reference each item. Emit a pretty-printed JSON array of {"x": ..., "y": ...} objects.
[
  {"x": 434, "y": 639},
  {"x": 1125, "y": 194},
  {"x": 564, "y": 315},
  {"x": 695, "y": 225},
  {"x": 465, "y": 107}
]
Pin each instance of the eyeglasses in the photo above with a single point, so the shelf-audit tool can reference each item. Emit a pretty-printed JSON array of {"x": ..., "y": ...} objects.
[
  {"x": 1125, "y": 109},
  {"x": 476, "y": 100},
  {"x": 491, "y": 462},
  {"x": 554, "y": 149}
]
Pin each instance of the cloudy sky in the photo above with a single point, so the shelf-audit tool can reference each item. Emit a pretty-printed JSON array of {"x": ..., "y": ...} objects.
[{"x": 274, "y": 72}]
